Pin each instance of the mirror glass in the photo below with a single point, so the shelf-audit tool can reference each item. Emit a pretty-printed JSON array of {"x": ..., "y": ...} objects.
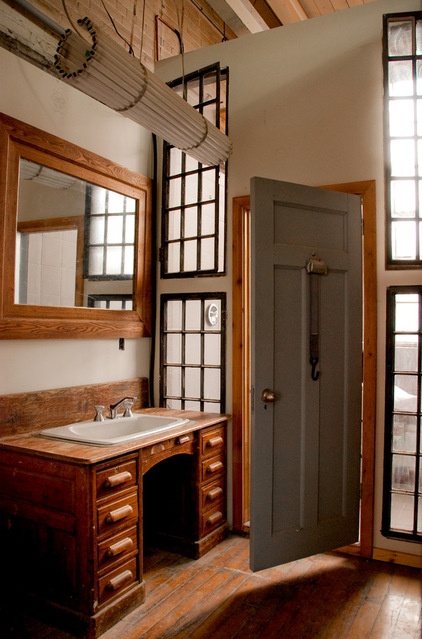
[{"x": 75, "y": 241}]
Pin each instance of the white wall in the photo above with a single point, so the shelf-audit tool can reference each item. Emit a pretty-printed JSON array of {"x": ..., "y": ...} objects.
[
  {"x": 306, "y": 105},
  {"x": 36, "y": 98}
]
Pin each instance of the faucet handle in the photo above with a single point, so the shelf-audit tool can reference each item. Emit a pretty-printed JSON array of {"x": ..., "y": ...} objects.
[
  {"x": 127, "y": 404},
  {"x": 99, "y": 417}
]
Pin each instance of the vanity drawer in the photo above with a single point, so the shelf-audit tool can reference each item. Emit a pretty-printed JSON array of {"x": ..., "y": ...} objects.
[
  {"x": 212, "y": 441},
  {"x": 116, "y": 477},
  {"x": 166, "y": 445},
  {"x": 114, "y": 514},
  {"x": 117, "y": 580},
  {"x": 212, "y": 494},
  {"x": 212, "y": 519},
  {"x": 118, "y": 547},
  {"x": 212, "y": 467}
]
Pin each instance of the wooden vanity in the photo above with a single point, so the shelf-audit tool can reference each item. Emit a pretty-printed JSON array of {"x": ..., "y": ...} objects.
[{"x": 71, "y": 515}]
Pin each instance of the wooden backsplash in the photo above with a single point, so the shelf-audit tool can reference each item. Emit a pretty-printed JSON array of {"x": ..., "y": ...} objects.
[{"x": 26, "y": 412}]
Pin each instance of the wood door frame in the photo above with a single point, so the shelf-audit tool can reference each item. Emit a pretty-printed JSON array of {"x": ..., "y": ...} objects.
[{"x": 241, "y": 361}]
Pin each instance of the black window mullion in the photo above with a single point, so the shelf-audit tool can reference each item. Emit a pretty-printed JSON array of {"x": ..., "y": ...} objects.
[
  {"x": 217, "y": 217},
  {"x": 199, "y": 221},
  {"x": 418, "y": 159},
  {"x": 217, "y": 97},
  {"x": 106, "y": 218},
  {"x": 202, "y": 358},
  {"x": 183, "y": 361},
  {"x": 418, "y": 469}
]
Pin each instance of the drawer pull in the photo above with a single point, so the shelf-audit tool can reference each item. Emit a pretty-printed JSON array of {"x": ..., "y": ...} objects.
[
  {"x": 119, "y": 513},
  {"x": 117, "y": 480},
  {"x": 120, "y": 546},
  {"x": 214, "y": 441},
  {"x": 183, "y": 439},
  {"x": 214, "y": 493},
  {"x": 119, "y": 581},
  {"x": 214, "y": 518},
  {"x": 215, "y": 467},
  {"x": 157, "y": 448}
]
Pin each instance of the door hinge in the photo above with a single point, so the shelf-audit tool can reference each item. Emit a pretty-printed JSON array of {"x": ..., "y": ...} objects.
[
  {"x": 252, "y": 399},
  {"x": 161, "y": 254}
]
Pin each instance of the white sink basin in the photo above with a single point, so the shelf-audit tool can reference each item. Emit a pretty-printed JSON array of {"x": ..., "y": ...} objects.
[{"x": 115, "y": 431}]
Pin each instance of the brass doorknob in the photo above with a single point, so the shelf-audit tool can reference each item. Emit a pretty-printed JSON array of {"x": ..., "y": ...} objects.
[{"x": 268, "y": 396}]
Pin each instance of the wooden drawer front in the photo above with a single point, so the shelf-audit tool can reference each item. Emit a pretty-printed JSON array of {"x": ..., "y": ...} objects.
[
  {"x": 152, "y": 455},
  {"x": 117, "y": 477},
  {"x": 212, "y": 467},
  {"x": 212, "y": 494},
  {"x": 212, "y": 519},
  {"x": 118, "y": 547},
  {"x": 116, "y": 581},
  {"x": 166, "y": 445},
  {"x": 212, "y": 441},
  {"x": 117, "y": 513}
]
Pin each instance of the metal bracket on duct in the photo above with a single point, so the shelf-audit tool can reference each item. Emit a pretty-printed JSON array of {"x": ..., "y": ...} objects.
[{"x": 105, "y": 71}]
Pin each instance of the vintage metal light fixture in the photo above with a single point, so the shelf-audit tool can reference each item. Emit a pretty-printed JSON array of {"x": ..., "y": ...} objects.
[{"x": 105, "y": 71}]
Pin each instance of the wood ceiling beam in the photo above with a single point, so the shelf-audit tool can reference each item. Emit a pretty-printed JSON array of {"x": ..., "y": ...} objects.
[
  {"x": 20, "y": 35},
  {"x": 248, "y": 15},
  {"x": 288, "y": 11}
]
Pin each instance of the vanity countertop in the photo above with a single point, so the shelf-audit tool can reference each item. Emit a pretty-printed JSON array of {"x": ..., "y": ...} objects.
[{"x": 36, "y": 445}]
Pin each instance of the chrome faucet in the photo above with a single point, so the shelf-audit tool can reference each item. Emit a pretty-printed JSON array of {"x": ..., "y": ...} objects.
[{"x": 127, "y": 403}]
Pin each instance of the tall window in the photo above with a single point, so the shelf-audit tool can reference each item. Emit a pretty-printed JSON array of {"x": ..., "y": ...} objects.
[
  {"x": 403, "y": 134},
  {"x": 193, "y": 352},
  {"x": 194, "y": 195},
  {"x": 402, "y": 510}
]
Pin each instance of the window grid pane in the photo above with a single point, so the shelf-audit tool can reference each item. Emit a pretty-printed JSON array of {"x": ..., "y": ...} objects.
[
  {"x": 194, "y": 195},
  {"x": 193, "y": 351},
  {"x": 110, "y": 235},
  {"x": 403, "y": 133},
  {"x": 403, "y": 443},
  {"x": 114, "y": 302}
]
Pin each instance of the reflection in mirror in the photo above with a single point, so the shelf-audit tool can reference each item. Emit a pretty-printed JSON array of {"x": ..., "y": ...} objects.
[{"x": 75, "y": 242}]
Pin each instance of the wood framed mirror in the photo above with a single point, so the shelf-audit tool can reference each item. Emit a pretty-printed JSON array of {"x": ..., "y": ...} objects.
[{"x": 75, "y": 246}]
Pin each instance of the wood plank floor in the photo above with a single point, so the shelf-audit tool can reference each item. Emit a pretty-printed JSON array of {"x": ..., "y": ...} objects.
[{"x": 327, "y": 596}]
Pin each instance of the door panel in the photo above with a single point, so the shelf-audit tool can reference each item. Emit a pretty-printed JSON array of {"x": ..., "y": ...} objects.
[{"x": 305, "y": 472}]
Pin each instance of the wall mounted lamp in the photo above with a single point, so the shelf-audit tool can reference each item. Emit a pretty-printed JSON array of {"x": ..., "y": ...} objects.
[{"x": 105, "y": 71}]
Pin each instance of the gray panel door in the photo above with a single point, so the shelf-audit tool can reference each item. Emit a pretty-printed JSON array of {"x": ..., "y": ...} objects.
[{"x": 305, "y": 466}]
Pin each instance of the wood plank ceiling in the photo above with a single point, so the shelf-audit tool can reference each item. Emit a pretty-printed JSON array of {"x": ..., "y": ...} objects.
[
  {"x": 294, "y": 10},
  {"x": 251, "y": 16}
]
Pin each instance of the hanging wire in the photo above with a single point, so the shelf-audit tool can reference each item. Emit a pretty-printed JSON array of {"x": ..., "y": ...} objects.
[
  {"x": 142, "y": 30},
  {"x": 132, "y": 28},
  {"x": 180, "y": 17},
  {"x": 116, "y": 29},
  {"x": 72, "y": 24}
]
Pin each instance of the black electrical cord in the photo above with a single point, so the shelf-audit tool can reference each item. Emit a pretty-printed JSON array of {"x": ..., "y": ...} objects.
[{"x": 153, "y": 272}]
